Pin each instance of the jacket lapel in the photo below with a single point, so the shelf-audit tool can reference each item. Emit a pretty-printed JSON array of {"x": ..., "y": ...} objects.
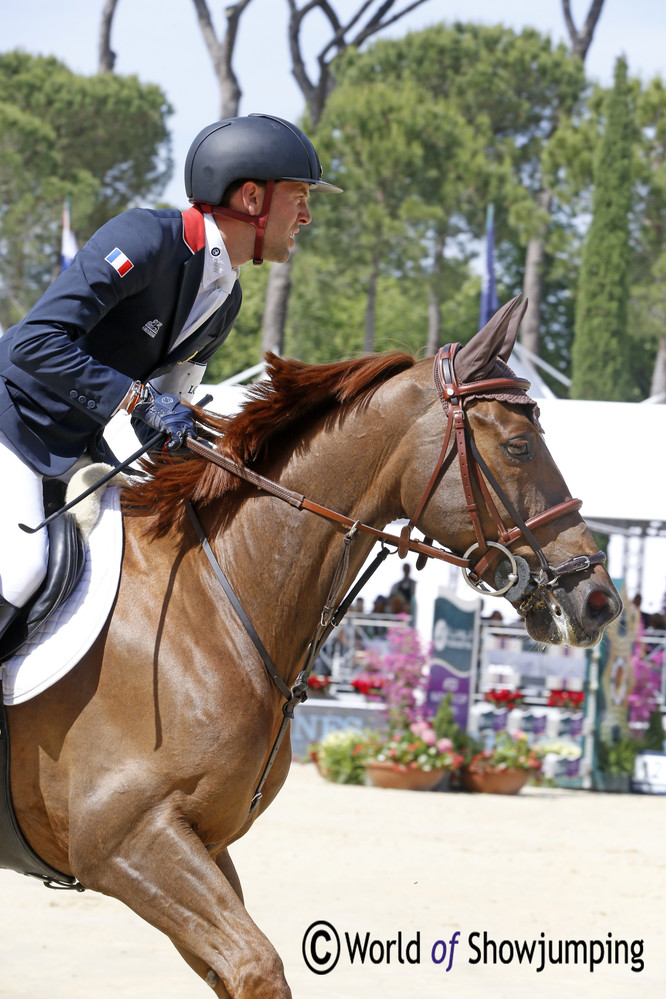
[
  {"x": 211, "y": 330},
  {"x": 189, "y": 286},
  {"x": 194, "y": 237}
]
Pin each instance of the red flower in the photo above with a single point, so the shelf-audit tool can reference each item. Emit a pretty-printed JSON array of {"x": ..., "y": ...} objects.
[
  {"x": 366, "y": 684},
  {"x": 502, "y": 697},
  {"x": 318, "y": 682},
  {"x": 568, "y": 700}
]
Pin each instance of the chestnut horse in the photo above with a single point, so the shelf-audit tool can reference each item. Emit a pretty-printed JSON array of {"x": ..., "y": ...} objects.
[{"x": 136, "y": 771}]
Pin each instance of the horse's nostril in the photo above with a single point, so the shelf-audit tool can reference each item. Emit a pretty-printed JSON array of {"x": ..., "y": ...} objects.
[{"x": 597, "y": 602}]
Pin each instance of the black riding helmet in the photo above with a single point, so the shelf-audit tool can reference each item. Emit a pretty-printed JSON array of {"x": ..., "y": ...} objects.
[{"x": 256, "y": 147}]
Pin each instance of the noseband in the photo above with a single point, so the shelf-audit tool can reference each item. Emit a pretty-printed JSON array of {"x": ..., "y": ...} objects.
[{"x": 513, "y": 576}]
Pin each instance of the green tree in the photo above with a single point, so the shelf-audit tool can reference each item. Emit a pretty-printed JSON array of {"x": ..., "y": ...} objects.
[
  {"x": 421, "y": 133},
  {"x": 101, "y": 140},
  {"x": 601, "y": 356},
  {"x": 648, "y": 275},
  {"x": 389, "y": 145}
]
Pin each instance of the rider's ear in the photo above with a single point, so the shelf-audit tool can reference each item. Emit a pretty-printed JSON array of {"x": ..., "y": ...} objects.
[{"x": 475, "y": 359}]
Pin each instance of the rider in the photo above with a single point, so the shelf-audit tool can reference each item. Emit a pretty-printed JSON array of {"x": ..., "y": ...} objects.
[{"x": 133, "y": 321}]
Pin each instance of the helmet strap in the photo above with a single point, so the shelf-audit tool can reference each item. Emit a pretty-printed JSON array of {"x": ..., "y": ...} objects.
[{"x": 258, "y": 221}]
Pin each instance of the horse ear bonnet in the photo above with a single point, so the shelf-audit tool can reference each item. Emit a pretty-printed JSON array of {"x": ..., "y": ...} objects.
[
  {"x": 486, "y": 354},
  {"x": 475, "y": 359}
]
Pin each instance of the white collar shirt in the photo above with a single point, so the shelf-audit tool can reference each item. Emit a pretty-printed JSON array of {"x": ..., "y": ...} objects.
[{"x": 217, "y": 281}]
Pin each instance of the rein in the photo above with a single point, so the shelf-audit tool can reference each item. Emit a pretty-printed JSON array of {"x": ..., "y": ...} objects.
[
  {"x": 300, "y": 502},
  {"x": 516, "y": 578}
]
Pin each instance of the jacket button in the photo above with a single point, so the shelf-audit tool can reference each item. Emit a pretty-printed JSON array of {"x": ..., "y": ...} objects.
[
  {"x": 73, "y": 394},
  {"x": 91, "y": 404},
  {"x": 82, "y": 399}
]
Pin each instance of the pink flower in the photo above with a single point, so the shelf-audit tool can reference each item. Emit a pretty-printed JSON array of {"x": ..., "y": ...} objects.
[{"x": 444, "y": 746}]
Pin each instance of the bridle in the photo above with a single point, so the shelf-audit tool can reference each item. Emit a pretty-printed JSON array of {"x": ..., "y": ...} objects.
[{"x": 513, "y": 577}]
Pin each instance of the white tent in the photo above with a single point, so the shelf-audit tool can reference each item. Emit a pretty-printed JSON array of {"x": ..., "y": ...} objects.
[{"x": 611, "y": 455}]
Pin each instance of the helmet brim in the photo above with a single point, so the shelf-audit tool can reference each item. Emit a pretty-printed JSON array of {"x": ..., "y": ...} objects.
[{"x": 315, "y": 185}]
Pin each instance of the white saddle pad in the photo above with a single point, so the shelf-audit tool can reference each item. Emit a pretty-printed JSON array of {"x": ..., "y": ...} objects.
[{"x": 66, "y": 637}]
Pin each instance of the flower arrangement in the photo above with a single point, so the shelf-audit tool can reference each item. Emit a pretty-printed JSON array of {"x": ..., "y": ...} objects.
[
  {"x": 502, "y": 697},
  {"x": 646, "y": 670},
  {"x": 407, "y": 742},
  {"x": 319, "y": 682},
  {"x": 414, "y": 748},
  {"x": 400, "y": 676},
  {"x": 369, "y": 684},
  {"x": 510, "y": 752},
  {"x": 567, "y": 700},
  {"x": 337, "y": 756},
  {"x": 560, "y": 747}
]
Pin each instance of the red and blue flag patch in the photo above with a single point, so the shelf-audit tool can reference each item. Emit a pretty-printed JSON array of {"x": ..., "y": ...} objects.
[{"x": 119, "y": 261}]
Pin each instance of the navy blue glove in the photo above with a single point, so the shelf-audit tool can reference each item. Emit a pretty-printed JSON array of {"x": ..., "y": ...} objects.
[{"x": 166, "y": 413}]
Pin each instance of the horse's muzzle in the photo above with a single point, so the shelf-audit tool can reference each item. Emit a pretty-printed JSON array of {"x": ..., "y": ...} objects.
[{"x": 571, "y": 614}]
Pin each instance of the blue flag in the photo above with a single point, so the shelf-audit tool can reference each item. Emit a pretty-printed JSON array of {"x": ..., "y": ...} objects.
[
  {"x": 68, "y": 244},
  {"x": 489, "y": 303}
]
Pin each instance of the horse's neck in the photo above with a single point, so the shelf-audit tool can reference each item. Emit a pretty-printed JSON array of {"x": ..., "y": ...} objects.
[{"x": 285, "y": 559}]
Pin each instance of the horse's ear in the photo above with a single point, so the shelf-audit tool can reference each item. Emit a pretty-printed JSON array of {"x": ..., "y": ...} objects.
[
  {"x": 512, "y": 330},
  {"x": 475, "y": 359}
]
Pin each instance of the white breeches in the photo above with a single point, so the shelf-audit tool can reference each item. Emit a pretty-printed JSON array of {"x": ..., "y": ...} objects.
[{"x": 23, "y": 557}]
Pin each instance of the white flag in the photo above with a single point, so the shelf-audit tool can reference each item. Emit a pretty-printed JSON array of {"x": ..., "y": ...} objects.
[{"x": 68, "y": 245}]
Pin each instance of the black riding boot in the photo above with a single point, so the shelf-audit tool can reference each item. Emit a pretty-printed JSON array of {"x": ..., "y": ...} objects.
[{"x": 7, "y": 614}]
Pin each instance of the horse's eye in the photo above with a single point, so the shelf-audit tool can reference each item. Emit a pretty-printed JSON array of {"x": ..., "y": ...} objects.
[{"x": 518, "y": 448}]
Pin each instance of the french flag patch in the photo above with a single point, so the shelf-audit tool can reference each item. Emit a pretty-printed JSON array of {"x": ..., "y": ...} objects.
[{"x": 119, "y": 261}]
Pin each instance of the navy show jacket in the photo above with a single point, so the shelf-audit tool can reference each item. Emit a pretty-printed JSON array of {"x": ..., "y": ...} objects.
[{"x": 65, "y": 368}]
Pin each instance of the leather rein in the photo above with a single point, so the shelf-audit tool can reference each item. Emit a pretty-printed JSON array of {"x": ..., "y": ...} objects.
[{"x": 516, "y": 578}]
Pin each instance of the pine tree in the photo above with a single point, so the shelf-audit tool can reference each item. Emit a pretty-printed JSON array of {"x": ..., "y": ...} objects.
[{"x": 601, "y": 351}]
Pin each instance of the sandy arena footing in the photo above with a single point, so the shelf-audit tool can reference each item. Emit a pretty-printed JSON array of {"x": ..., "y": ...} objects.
[{"x": 497, "y": 875}]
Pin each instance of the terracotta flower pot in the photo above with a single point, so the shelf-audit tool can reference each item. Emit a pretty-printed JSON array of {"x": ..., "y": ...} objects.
[
  {"x": 384, "y": 774},
  {"x": 495, "y": 781}
]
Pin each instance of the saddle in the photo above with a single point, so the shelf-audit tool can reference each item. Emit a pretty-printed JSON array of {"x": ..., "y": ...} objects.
[{"x": 65, "y": 565}]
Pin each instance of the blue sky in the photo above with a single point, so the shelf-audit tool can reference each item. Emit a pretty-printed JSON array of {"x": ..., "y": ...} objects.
[{"x": 160, "y": 41}]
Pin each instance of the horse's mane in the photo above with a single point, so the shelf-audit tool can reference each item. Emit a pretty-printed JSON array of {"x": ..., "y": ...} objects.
[{"x": 291, "y": 397}]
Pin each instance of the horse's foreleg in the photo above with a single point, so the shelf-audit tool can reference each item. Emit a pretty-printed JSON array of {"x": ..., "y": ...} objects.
[
  {"x": 163, "y": 872},
  {"x": 226, "y": 865}
]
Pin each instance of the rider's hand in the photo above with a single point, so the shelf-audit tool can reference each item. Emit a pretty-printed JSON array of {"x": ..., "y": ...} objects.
[{"x": 164, "y": 412}]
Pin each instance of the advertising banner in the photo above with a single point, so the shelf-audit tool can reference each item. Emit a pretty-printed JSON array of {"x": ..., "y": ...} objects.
[{"x": 455, "y": 639}]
